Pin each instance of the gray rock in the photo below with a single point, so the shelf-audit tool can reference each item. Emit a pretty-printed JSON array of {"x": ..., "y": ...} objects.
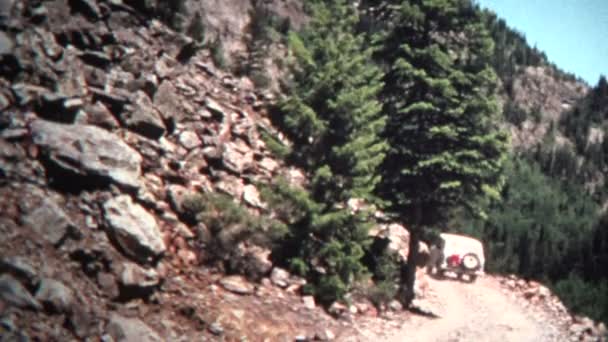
[
  {"x": 5, "y": 100},
  {"x": 116, "y": 99},
  {"x": 231, "y": 185},
  {"x": 39, "y": 14},
  {"x": 162, "y": 67},
  {"x": 166, "y": 101},
  {"x": 99, "y": 115},
  {"x": 88, "y": 151},
  {"x": 132, "y": 275},
  {"x": 216, "y": 329},
  {"x": 72, "y": 82},
  {"x": 237, "y": 284},
  {"x": 83, "y": 323},
  {"x": 6, "y": 44},
  {"x": 133, "y": 228},
  {"x": 189, "y": 140},
  {"x": 15, "y": 294},
  {"x": 55, "y": 295},
  {"x": 108, "y": 284},
  {"x": 58, "y": 107},
  {"x": 214, "y": 108},
  {"x": 309, "y": 302},
  {"x": 177, "y": 194},
  {"x": 279, "y": 277},
  {"x": 124, "y": 329},
  {"x": 251, "y": 196},
  {"x": 236, "y": 159},
  {"x": 50, "y": 222},
  {"x": 5, "y": 8},
  {"x": 19, "y": 267},
  {"x": 395, "y": 305},
  {"x": 143, "y": 118},
  {"x": 324, "y": 335}
]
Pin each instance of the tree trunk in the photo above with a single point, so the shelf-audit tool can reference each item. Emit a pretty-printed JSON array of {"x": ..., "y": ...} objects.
[{"x": 408, "y": 273}]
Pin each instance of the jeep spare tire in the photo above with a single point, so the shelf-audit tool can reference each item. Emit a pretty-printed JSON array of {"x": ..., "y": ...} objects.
[{"x": 470, "y": 262}]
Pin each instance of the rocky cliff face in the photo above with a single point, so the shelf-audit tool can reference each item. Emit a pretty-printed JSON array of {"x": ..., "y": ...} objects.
[
  {"x": 105, "y": 128},
  {"x": 539, "y": 92}
]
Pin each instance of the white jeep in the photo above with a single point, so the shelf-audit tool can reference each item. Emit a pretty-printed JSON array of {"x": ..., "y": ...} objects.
[{"x": 462, "y": 255}]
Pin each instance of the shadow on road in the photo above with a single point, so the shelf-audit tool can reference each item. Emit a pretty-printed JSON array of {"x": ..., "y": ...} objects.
[
  {"x": 422, "y": 312},
  {"x": 450, "y": 277}
]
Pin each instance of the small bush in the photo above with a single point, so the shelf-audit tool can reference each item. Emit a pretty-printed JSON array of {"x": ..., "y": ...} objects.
[
  {"x": 260, "y": 79},
  {"x": 274, "y": 145},
  {"x": 382, "y": 293},
  {"x": 217, "y": 53},
  {"x": 514, "y": 114},
  {"x": 228, "y": 223},
  {"x": 196, "y": 29},
  {"x": 172, "y": 13}
]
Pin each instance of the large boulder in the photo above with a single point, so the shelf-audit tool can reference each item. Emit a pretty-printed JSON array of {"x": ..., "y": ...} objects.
[
  {"x": 88, "y": 151},
  {"x": 133, "y": 229}
]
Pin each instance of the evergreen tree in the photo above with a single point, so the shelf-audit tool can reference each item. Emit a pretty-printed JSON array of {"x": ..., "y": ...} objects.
[
  {"x": 334, "y": 118},
  {"x": 445, "y": 147}
]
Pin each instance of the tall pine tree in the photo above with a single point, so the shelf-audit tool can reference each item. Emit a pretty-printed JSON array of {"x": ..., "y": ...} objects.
[
  {"x": 445, "y": 147},
  {"x": 333, "y": 115}
]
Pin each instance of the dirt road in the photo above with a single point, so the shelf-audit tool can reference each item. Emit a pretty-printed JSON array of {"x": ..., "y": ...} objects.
[{"x": 480, "y": 312}]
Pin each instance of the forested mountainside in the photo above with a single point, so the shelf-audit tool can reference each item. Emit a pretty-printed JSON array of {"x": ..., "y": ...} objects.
[{"x": 159, "y": 157}]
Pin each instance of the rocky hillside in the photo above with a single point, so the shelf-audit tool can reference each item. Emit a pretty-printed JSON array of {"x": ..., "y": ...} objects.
[
  {"x": 106, "y": 129},
  {"x": 545, "y": 98},
  {"x": 109, "y": 122}
]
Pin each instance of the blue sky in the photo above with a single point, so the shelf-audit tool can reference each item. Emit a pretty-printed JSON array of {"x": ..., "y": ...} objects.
[{"x": 573, "y": 33}]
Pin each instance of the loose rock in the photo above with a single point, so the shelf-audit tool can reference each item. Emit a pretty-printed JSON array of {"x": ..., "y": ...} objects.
[
  {"x": 19, "y": 267},
  {"x": 133, "y": 275},
  {"x": 143, "y": 118},
  {"x": 279, "y": 277},
  {"x": 237, "y": 284},
  {"x": 50, "y": 222},
  {"x": 55, "y": 296},
  {"x": 88, "y": 151},
  {"x": 123, "y": 329},
  {"x": 133, "y": 228},
  {"x": 13, "y": 293}
]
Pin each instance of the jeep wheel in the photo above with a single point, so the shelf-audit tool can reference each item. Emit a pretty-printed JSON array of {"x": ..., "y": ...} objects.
[
  {"x": 470, "y": 262},
  {"x": 472, "y": 278}
]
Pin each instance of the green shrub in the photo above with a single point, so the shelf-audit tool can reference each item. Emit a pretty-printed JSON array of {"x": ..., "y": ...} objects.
[
  {"x": 324, "y": 244},
  {"x": 584, "y": 297},
  {"x": 382, "y": 292},
  {"x": 274, "y": 145},
  {"x": 196, "y": 29},
  {"x": 216, "y": 47},
  {"x": 172, "y": 13},
  {"x": 514, "y": 114},
  {"x": 229, "y": 223},
  {"x": 260, "y": 79}
]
